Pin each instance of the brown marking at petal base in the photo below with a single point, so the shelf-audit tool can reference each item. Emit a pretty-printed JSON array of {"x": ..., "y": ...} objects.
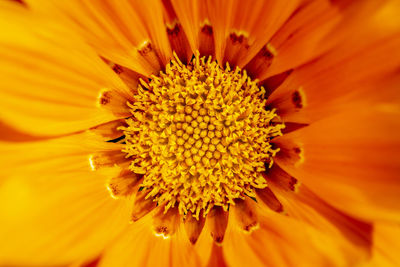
[
  {"x": 194, "y": 227},
  {"x": 179, "y": 42},
  {"x": 290, "y": 153},
  {"x": 298, "y": 98},
  {"x": 165, "y": 223},
  {"x": 128, "y": 76},
  {"x": 245, "y": 215},
  {"x": 142, "y": 206},
  {"x": 261, "y": 62},
  {"x": 206, "y": 40},
  {"x": 124, "y": 184},
  {"x": 106, "y": 159},
  {"x": 105, "y": 98},
  {"x": 217, "y": 221},
  {"x": 268, "y": 197},
  {"x": 280, "y": 178},
  {"x": 113, "y": 101},
  {"x": 147, "y": 51},
  {"x": 117, "y": 69},
  {"x": 237, "y": 45}
]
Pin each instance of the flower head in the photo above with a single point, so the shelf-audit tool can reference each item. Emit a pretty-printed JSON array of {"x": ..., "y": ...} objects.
[{"x": 199, "y": 133}]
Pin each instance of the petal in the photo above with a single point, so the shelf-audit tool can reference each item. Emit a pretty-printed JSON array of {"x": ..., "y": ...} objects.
[
  {"x": 55, "y": 210},
  {"x": 138, "y": 246},
  {"x": 116, "y": 30},
  {"x": 352, "y": 160},
  {"x": 242, "y": 28},
  {"x": 387, "y": 245},
  {"x": 282, "y": 241},
  {"x": 339, "y": 80},
  {"x": 318, "y": 27},
  {"x": 193, "y": 17},
  {"x": 304, "y": 205},
  {"x": 51, "y": 79}
]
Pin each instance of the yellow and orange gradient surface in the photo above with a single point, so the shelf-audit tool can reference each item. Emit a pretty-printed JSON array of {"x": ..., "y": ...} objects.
[{"x": 199, "y": 133}]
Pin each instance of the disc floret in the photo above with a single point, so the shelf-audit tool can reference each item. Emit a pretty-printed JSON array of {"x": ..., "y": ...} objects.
[{"x": 200, "y": 135}]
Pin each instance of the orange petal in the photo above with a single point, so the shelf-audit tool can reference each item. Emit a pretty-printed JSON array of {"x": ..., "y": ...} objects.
[
  {"x": 352, "y": 160},
  {"x": 54, "y": 209},
  {"x": 165, "y": 224},
  {"x": 217, "y": 257},
  {"x": 124, "y": 184},
  {"x": 10, "y": 134},
  {"x": 306, "y": 206},
  {"x": 142, "y": 206},
  {"x": 282, "y": 241},
  {"x": 138, "y": 246},
  {"x": 346, "y": 77},
  {"x": 59, "y": 153},
  {"x": 242, "y": 28},
  {"x": 386, "y": 245},
  {"x": 193, "y": 17},
  {"x": 217, "y": 221},
  {"x": 53, "y": 80},
  {"x": 268, "y": 197},
  {"x": 318, "y": 27},
  {"x": 116, "y": 30},
  {"x": 177, "y": 37},
  {"x": 245, "y": 215},
  {"x": 109, "y": 130},
  {"x": 194, "y": 227}
]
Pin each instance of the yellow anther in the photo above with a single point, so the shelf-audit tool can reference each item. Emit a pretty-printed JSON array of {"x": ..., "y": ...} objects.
[
  {"x": 198, "y": 144},
  {"x": 205, "y": 140},
  {"x": 194, "y": 124},
  {"x": 189, "y": 161},
  {"x": 188, "y": 118},
  {"x": 187, "y": 154},
  {"x": 196, "y": 158},
  {"x": 191, "y": 140},
  {"x": 188, "y": 109},
  {"x": 189, "y": 130},
  {"x": 180, "y": 141},
  {"x": 203, "y": 133},
  {"x": 215, "y": 140},
  {"x": 211, "y": 147},
  {"x": 203, "y": 125},
  {"x": 201, "y": 153},
  {"x": 203, "y": 112}
]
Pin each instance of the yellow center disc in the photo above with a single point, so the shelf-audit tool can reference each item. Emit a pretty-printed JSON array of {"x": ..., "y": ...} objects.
[{"x": 200, "y": 135}]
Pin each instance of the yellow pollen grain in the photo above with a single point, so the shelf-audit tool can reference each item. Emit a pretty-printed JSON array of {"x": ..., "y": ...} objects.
[{"x": 198, "y": 142}]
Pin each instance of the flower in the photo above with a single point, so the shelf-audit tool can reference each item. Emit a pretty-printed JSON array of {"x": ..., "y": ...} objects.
[{"x": 186, "y": 133}]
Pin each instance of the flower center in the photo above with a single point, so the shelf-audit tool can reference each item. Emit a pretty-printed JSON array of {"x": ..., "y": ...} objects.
[{"x": 200, "y": 136}]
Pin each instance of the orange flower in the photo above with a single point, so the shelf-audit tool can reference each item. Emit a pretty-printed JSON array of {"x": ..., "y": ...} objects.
[{"x": 200, "y": 133}]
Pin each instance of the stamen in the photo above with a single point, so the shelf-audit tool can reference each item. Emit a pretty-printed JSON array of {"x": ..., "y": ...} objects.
[{"x": 200, "y": 136}]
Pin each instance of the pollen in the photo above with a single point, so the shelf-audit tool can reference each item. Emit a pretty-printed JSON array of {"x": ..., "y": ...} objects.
[{"x": 200, "y": 136}]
